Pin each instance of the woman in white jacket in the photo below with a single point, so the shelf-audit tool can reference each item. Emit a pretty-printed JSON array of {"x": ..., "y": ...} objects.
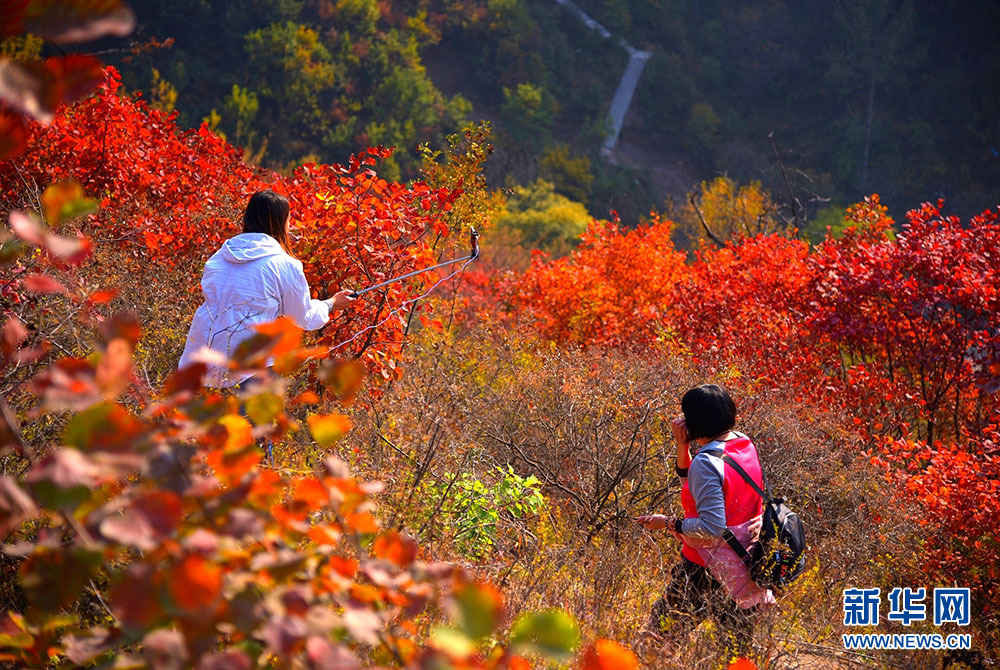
[{"x": 254, "y": 279}]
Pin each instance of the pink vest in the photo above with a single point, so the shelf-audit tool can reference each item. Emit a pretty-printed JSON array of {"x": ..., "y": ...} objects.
[
  {"x": 743, "y": 505},
  {"x": 742, "y": 502}
]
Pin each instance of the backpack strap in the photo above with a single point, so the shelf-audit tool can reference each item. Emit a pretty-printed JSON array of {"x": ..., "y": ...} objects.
[
  {"x": 737, "y": 547},
  {"x": 767, "y": 497},
  {"x": 727, "y": 535}
]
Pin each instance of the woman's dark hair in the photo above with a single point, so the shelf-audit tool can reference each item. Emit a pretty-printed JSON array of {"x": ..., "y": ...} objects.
[
  {"x": 267, "y": 212},
  {"x": 708, "y": 411}
]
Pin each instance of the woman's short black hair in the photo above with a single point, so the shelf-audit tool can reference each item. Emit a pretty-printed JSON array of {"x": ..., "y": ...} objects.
[{"x": 708, "y": 411}]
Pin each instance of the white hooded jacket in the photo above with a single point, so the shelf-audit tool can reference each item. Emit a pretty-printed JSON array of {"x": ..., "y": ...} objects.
[{"x": 249, "y": 280}]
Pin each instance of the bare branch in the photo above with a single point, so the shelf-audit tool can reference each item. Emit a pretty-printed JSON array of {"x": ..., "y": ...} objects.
[
  {"x": 798, "y": 211},
  {"x": 704, "y": 224}
]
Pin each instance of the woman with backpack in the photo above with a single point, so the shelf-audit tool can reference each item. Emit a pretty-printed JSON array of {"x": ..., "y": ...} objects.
[{"x": 711, "y": 579}]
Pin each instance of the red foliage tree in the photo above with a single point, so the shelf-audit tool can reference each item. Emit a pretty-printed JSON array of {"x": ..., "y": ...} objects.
[
  {"x": 614, "y": 289},
  {"x": 899, "y": 332},
  {"x": 169, "y": 197},
  {"x": 914, "y": 318}
]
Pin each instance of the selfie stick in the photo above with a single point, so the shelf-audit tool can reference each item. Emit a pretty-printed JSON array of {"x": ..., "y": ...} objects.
[{"x": 473, "y": 255}]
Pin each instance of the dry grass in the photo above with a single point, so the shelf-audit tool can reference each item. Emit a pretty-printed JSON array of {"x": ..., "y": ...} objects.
[{"x": 593, "y": 426}]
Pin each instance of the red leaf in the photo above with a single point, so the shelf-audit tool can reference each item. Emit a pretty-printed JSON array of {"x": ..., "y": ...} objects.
[
  {"x": 27, "y": 228},
  {"x": 39, "y": 283},
  {"x": 76, "y": 76},
  {"x": 29, "y": 88},
  {"x": 123, "y": 325},
  {"x": 14, "y": 334},
  {"x": 102, "y": 297},
  {"x": 162, "y": 509},
  {"x": 70, "y": 250},
  {"x": 134, "y": 599},
  {"x": 12, "y": 14},
  {"x": 13, "y": 134},
  {"x": 114, "y": 370},
  {"x": 64, "y": 21}
]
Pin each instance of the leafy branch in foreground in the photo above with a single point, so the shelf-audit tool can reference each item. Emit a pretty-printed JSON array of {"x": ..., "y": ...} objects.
[{"x": 155, "y": 536}]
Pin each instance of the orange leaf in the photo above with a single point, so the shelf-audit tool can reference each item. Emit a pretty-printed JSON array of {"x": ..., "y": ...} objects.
[
  {"x": 305, "y": 398},
  {"x": 362, "y": 523},
  {"x": 266, "y": 485},
  {"x": 65, "y": 199},
  {"x": 285, "y": 335},
  {"x": 195, "y": 582},
  {"x": 345, "y": 567},
  {"x": 328, "y": 428},
  {"x": 343, "y": 379},
  {"x": 324, "y": 534},
  {"x": 238, "y": 454},
  {"x": 311, "y": 493},
  {"x": 742, "y": 663},
  {"x": 604, "y": 654},
  {"x": 239, "y": 433},
  {"x": 394, "y": 547}
]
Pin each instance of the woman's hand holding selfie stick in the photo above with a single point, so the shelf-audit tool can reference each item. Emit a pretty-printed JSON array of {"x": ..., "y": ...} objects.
[{"x": 341, "y": 300}]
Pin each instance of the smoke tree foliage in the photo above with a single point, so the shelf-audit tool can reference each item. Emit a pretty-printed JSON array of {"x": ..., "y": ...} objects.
[{"x": 897, "y": 330}]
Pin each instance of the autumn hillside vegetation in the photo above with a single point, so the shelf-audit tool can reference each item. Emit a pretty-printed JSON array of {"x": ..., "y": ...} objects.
[{"x": 515, "y": 422}]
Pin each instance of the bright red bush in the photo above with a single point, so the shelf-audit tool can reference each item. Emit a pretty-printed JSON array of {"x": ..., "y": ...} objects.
[
  {"x": 914, "y": 318},
  {"x": 898, "y": 331},
  {"x": 169, "y": 197},
  {"x": 614, "y": 289}
]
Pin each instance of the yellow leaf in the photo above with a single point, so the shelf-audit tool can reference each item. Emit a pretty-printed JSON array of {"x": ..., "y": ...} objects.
[
  {"x": 328, "y": 428},
  {"x": 239, "y": 432}
]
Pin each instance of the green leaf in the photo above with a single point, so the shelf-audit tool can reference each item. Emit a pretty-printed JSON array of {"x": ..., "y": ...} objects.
[
  {"x": 477, "y": 609},
  {"x": 552, "y": 633}
]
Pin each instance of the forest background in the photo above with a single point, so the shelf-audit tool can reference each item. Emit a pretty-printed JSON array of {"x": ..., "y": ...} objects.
[
  {"x": 518, "y": 418},
  {"x": 895, "y": 98}
]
